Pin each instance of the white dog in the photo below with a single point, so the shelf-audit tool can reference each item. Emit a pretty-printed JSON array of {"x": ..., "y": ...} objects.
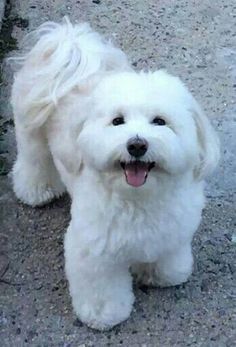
[{"x": 132, "y": 149}]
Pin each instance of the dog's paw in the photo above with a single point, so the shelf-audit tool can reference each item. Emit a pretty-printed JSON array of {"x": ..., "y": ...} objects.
[
  {"x": 39, "y": 195},
  {"x": 152, "y": 276},
  {"x": 36, "y": 189},
  {"x": 103, "y": 314}
]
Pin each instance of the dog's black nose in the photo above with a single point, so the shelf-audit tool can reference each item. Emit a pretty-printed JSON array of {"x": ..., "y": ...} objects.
[{"x": 137, "y": 147}]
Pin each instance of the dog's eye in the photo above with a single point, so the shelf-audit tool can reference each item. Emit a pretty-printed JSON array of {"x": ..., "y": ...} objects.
[
  {"x": 118, "y": 121},
  {"x": 158, "y": 121}
]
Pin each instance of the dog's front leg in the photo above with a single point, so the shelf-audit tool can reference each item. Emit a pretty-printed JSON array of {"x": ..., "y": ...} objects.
[
  {"x": 172, "y": 268},
  {"x": 101, "y": 289}
]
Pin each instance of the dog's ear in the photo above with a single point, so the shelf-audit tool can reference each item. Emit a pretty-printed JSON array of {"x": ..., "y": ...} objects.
[
  {"x": 64, "y": 57},
  {"x": 208, "y": 142}
]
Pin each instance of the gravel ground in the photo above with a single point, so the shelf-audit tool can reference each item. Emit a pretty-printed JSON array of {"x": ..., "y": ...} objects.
[{"x": 197, "y": 41}]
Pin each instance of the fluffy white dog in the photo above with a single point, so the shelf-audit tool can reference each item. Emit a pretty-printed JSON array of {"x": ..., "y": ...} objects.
[{"x": 132, "y": 149}]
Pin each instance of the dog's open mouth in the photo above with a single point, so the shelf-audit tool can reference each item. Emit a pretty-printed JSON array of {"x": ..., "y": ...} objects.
[{"x": 136, "y": 172}]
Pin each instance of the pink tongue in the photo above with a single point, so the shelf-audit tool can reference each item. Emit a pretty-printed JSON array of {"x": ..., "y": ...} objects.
[{"x": 136, "y": 173}]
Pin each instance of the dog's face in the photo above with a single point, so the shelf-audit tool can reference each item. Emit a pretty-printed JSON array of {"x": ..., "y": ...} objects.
[{"x": 140, "y": 125}]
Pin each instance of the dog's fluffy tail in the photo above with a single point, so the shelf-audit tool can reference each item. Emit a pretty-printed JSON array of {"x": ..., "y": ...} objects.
[{"x": 63, "y": 57}]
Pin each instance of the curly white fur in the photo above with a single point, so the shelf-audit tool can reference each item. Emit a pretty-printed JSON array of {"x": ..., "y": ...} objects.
[{"x": 71, "y": 86}]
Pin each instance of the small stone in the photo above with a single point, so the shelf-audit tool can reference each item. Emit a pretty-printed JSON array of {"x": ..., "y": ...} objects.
[
  {"x": 18, "y": 331},
  {"x": 77, "y": 323}
]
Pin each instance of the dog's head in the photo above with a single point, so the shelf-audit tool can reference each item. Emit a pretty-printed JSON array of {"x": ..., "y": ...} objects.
[
  {"x": 141, "y": 125},
  {"x": 130, "y": 127}
]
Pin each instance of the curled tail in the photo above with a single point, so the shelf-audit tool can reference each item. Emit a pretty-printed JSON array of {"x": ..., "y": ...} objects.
[{"x": 64, "y": 56}]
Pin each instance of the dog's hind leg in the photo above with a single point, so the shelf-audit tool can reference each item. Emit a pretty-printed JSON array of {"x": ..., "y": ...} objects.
[{"x": 35, "y": 178}]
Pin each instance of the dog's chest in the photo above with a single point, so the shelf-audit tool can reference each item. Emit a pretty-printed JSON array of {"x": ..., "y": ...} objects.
[
  {"x": 136, "y": 230},
  {"x": 142, "y": 233}
]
